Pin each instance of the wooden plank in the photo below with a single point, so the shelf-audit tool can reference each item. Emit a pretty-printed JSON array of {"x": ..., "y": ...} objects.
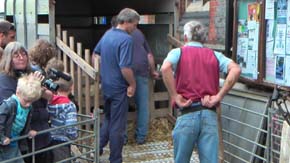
[
  {"x": 87, "y": 88},
  {"x": 96, "y": 85},
  {"x": 42, "y": 7},
  {"x": 20, "y": 22},
  {"x": 65, "y": 52},
  {"x": 221, "y": 145},
  {"x": 79, "y": 79},
  {"x": 78, "y": 60},
  {"x": 173, "y": 41},
  {"x": 72, "y": 68},
  {"x": 58, "y": 34},
  {"x": 9, "y": 10},
  {"x": 159, "y": 113},
  {"x": 51, "y": 21},
  {"x": 161, "y": 96},
  {"x": 43, "y": 29},
  {"x": 31, "y": 22}
]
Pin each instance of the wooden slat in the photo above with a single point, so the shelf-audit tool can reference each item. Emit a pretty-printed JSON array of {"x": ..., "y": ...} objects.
[
  {"x": 159, "y": 113},
  {"x": 58, "y": 32},
  {"x": 175, "y": 42},
  {"x": 64, "y": 41},
  {"x": 87, "y": 87},
  {"x": 79, "y": 79},
  {"x": 161, "y": 96},
  {"x": 72, "y": 68},
  {"x": 78, "y": 60},
  {"x": 96, "y": 85}
]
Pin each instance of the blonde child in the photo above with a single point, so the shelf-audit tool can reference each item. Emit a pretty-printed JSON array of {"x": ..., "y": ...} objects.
[{"x": 15, "y": 116}]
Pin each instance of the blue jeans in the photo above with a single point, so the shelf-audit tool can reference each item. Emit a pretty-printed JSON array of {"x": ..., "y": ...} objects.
[
  {"x": 9, "y": 152},
  {"x": 114, "y": 125},
  {"x": 142, "y": 102},
  {"x": 196, "y": 128}
]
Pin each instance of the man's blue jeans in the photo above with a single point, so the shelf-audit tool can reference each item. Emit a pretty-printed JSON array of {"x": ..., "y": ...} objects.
[
  {"x": 142, "y": 102},
  {"x": 196, "y": 128}
]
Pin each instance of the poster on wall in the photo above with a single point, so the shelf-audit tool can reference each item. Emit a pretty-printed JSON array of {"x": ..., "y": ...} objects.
[
  {"x": 277, "y": 63},
  {"x": 248, "y": 39},
  {"x": 280, "y": 39},
  {"x": 288, "y": 29},
  {"x": 279, "y": 69}
]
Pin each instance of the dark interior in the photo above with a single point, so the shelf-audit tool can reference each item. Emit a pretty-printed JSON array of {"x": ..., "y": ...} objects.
[{"x": 78, "y": 18}]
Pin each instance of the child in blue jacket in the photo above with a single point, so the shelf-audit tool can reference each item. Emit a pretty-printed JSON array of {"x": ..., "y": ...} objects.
[{"x": 15, "y": 116}]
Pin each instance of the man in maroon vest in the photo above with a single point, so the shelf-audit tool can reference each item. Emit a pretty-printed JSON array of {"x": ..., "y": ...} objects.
[{"x": 194, "y": 91}]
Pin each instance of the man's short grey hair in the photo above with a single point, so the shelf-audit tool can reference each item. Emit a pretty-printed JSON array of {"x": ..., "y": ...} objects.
[
  {"x": 195, "y": 31},
  {"x": 6, "y": 26},
  {"x": 127, "y": 15}
]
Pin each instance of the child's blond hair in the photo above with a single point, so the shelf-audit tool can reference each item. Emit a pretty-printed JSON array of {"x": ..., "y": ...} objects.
[{"x": 29, "y": 87}]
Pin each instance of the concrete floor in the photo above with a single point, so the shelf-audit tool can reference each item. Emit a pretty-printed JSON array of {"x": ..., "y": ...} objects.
[{"x": 151, "y": 152}]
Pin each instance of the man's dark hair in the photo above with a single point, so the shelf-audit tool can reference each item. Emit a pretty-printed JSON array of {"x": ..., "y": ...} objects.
[{"x": 6, "y": 26}]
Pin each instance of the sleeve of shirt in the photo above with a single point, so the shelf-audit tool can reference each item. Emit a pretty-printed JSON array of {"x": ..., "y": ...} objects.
[
  {"x": 126, "y": 53},
  {"x": 223, "y": 61},
  {"x": 97, "y": 49},
  {"x": 173, "y": 57}
]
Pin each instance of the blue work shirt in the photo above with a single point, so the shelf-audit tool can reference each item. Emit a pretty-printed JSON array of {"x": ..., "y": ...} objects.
[
  {"x": 116, "y": 51},
  {"x": 174, "y": 56},
  {"x": 140, "y": 54}
]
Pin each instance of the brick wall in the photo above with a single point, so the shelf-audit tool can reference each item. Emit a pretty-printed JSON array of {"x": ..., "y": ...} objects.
[{"x": 217, "y": 22}]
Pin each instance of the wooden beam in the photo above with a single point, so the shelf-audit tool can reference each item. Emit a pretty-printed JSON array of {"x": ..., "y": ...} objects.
[
  {"x": 77, "y": 59},
  {"x": 177, "y": 43},
  {"x": 173, "y": 41}
]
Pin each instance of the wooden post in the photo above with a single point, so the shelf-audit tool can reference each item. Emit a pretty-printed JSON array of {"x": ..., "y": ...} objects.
[
  {"x": 221, "y": 144},
  {"x": 97, "y": 82},
  {"x": 79, "y": 80},
  {"x": 87, "y": 85},
  {"x": 64, "y": 39},
  {"x": 58, "y": 34},
  {"x": 72, "y": 69}
]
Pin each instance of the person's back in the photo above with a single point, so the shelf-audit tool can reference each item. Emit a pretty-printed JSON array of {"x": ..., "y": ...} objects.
[
  {"x": 195, "y": 92},
  {"x": 113, "y": 48}
]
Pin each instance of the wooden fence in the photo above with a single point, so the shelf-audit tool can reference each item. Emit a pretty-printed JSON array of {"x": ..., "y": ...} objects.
[{"x": 87, "y": 81}]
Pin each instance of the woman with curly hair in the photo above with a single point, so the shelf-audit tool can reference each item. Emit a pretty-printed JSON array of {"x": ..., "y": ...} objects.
[{"x": 39, "y": 54}]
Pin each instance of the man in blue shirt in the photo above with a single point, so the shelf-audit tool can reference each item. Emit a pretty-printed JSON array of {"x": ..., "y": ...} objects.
[{"x": 116, "y": 51}]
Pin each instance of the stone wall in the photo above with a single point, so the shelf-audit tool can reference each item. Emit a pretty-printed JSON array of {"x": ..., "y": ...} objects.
[{"x": 217, "y": 24}]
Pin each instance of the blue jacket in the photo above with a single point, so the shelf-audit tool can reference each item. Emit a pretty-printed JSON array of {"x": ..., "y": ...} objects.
[{"x": 8, "y": 111}]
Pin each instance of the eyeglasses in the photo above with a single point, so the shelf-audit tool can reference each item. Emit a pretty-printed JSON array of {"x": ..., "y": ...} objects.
[{"x": 20, "y": 53}]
